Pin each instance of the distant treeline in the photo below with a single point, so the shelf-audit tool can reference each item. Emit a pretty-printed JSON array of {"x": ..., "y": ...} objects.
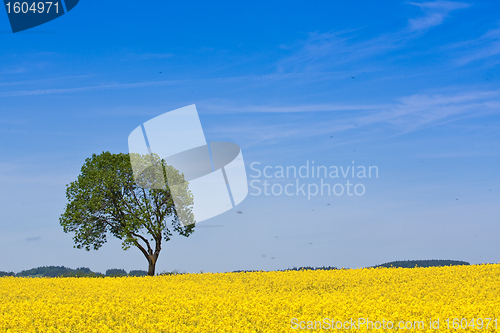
[
  {"x": 395, "y": 264},
  {"x": 324, "y": 268},
  {"x": 422, "y": 263},
  {"x": 61, "y": 271}
]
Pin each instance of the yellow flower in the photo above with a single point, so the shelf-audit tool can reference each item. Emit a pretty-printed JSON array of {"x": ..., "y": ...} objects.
[{"x": 411, "y": 299}]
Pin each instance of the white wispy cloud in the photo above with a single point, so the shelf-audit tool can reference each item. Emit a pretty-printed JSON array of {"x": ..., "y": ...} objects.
[
  {"x": 148, "y": 56},
  {"x": 19, "y": 93},
  {"x": 486, "y": 46},
  {"x": 227, "y": 108},
  {"x": 327, "y": 50},
  {"x": 18, "y": 70},
  {"x": 424, "y": 110},
  {"x": 36, "y": 81},
  {"x": 322, "y": 51},
  {"x": 435, "y": 13},
  {"x": 404, "y": 115}
]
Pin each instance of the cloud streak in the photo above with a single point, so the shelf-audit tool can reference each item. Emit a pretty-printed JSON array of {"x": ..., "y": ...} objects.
[
  {"x": 250, "y": 78},
  {"x": 484, "y": 47},
  {"x": 407, "y": 114},
  {"x": 322, "y": 51},
  {"x": 223, "y": 108},
  {"x": 149, "y": 56},
  {"x": 435, "y": 13}
]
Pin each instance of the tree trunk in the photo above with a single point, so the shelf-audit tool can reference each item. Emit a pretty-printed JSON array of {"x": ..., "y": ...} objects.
[
  {"x": 152, "y": 265},
  {"x": 152, "y": 259}
]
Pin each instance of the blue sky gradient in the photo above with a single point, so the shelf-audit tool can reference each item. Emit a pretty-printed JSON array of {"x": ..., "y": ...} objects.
[{"x": 411, "y": 87}]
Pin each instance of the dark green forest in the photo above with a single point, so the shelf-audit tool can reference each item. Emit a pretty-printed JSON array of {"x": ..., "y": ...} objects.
[
  {"x": 61, "y": 271},
  {"x": 422, "y": 263}
]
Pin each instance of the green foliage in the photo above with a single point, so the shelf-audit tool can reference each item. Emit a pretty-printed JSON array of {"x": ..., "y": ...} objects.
[
  {"x": 61, "y": 271},
  {"x": 423, "y": 263},
  {"x": 106, "y": 200},
  {"x": 137, "y": 273},
  {"x": 58, "y": 271},
  {"x": 116, "y": 272},
  {"x": 174, "y": 272},
  {"x": 322, "y": 268}
]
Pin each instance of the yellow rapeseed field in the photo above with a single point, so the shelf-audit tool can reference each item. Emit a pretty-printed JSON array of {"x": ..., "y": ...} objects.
[{"x": 357, "y": 300}]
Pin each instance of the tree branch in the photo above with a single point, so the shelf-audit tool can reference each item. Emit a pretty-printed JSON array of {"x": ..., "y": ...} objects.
[
  {"x": 144, "y": 240},
  {"x": 140, "y": 248}
]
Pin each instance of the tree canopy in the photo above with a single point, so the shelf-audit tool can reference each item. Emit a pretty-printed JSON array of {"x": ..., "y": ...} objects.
[{"x": 107, "y": 200}]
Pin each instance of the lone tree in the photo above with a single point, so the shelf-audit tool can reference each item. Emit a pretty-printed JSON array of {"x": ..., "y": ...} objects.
[{"x": 107, "y": 200}]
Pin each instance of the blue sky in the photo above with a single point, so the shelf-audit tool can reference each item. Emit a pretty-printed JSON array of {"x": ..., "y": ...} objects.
[{"x": 411, "y": 87}]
